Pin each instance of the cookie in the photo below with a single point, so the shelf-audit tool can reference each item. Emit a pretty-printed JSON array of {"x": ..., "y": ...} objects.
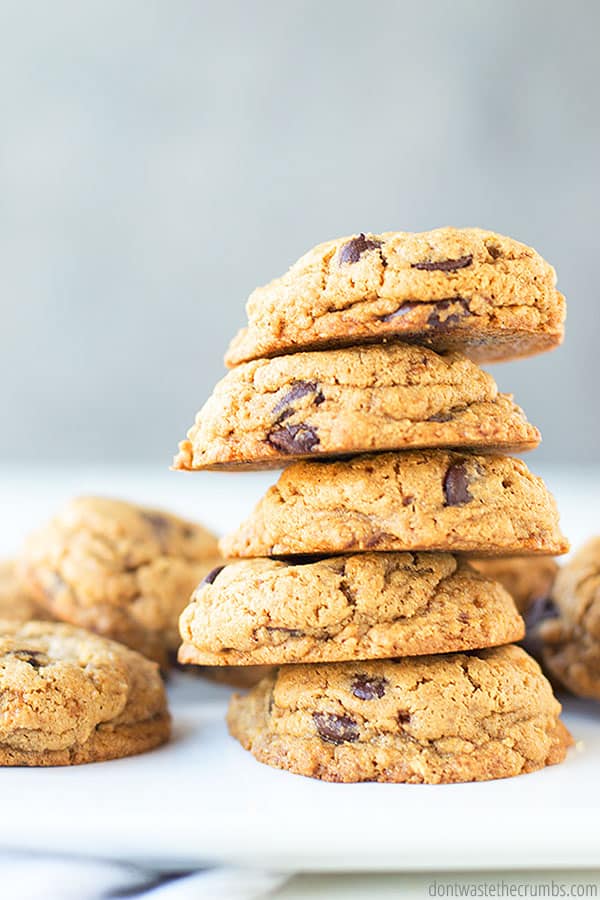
[
  {"x": 433, "y": 719},
  {"x": 570, "y": 628},
  {"x": 123, "y": 571},
  {"x": 527, "y": 579},
  {"x": 451, "y": 289},
  {"x": 366, "y": 606},
  {"x": 338, "y": 402},
  {"x": 71, "y": 697},
  {"x": 417, "y": 500},
  {"x": 16, "y": 603}
]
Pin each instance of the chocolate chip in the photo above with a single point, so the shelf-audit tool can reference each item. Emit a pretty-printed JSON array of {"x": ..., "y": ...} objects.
[
  {"x": 291, "y": 632},
  {"x": 336, "y": 729},
  {"x": 401, "y": 311},
  {"x": 434, "y": 319},
  {"x": 444, "y": 265},
  {"x": 354, "y": 249},
  {"x": 408, "y": 500},
  {"x": 367, "y": 687},
  {"x": 299, "y": 389},
  {"x": 300, "y": 438},
  {"x": 159, "y": 524},
  {"x": 541, "y": 610},
  {"x": 463, "y": 617},
  {"x": 448, "y": 415},
  {"x": 456, "y": 485},
  {"x": 347, "y": 592},
  {"x": 212, "y": 575},
  {"x": 494, "y": 251},
  {"x": 403, "y": 716},
  {"x": 33, "y": 657}
]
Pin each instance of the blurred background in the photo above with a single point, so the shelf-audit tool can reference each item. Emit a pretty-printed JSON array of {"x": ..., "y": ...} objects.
[{"x": 158, "y": 160}]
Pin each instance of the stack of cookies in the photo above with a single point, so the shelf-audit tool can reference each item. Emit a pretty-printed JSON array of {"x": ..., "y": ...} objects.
[{"x": 357, "y": 372}]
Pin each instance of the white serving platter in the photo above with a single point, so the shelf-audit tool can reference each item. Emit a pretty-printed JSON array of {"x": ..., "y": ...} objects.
[{"x": 202, "y": 799}]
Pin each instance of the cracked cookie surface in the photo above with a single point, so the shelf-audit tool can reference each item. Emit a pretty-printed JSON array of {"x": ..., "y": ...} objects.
[
  {"x": 451, "y": 288},
  {"x": 364, "y": 606},
  {"x": 435, "y": 719},
  {"x": 271, "y": 411},
  {"x": 569, "y": 629},
  {"x": 527, "y": 579},
  {"x": 71, "y": 697},
  {"x": 120, "y": 570},
  {"x": 417, "y": 500}
]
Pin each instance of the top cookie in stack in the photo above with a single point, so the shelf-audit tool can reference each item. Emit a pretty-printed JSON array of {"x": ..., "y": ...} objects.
[{"x": 357, "y": 372}]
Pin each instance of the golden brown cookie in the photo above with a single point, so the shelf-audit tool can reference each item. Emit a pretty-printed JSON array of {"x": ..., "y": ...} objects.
[
  {"x": 16, "y": 603},
  {"x": 527, "y": 579},
  {"x": 417, "y": 500},
  {"x": 452, "y": 289},
  {"x": 71, "y": 697},
  {"x": 337, "y": 402},
  {"x": 434, "y": 719},
  {"x": 570, "y": 628},
  {"x": 365, "y": 606},
  {"x": 121, "y": 570}
]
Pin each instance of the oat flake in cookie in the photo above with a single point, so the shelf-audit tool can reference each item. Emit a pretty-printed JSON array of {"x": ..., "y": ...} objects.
[
  {"x": 417, "y": 500},
  {"x": 121, "y": 570},
  {"x": 451, "y": 289},
  {"x": 269, "y": 412},
  {"x": 450, "y": 718},
  {"x": 362, "y": 606},
  {"x": 71, "y": 697}
]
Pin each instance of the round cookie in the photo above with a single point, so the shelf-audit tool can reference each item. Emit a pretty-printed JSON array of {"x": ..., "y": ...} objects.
[
  {"x": 71, "y": 697},
  {"x": 527, "y": 579},
  {"x": 451, "y": 288},
  {"x": 121, "y": 570},
  {"x": 417, "y": 500},
  {"x": 434, "y": 719},
  {"x": 363, "y": 606},
  {"x": 338, "y": 402},
  {"x": 569, "y": 629},
  {"x": 16, "y": 604}
]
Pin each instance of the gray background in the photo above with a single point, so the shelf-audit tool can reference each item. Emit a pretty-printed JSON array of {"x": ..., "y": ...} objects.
[{"x": 160, "y": 159}]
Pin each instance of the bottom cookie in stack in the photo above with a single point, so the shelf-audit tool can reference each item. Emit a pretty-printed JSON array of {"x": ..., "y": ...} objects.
[{"x": 433, "y": 719}]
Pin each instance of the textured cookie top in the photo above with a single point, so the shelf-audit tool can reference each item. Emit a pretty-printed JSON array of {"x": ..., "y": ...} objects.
[
  {"x": 119, "y": 569},
  {"x": 271, "y": 411},
  {"x": 418, "y": 500},
  {"x": 59, "y": 683},
  {"x": 370, "y": 605},
  {"x": 570, "y": 627},
  {"x": 527, "y": 579},
  {"x": 456, "y": 717},
  {"x": 451, "y": 288}
]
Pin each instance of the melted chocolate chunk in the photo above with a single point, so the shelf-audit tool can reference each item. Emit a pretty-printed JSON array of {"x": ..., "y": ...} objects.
[
  {"x": 300, "y": 438},
  {"x": 434, "y": 319},
  {"x": 401, "y": 311},
  {"x": 403, "y": 717},
  {"x": 212, "y": 575},
  {"x": 368, "y": 687},
  {"x": 354, "y": 249},
  {"x": 34, "y": 658},
  {"x": 336, "y": 729},
  {"x": 299, "y": 389},
  {"x": 448, "y": 415},
  {"x": 444, "y": 265},
  {"x": 159, "y": 524},
  {"x": 494, "y": 251},
  {"x": 456, "y": 485},
  {"x": 292, "y": 632}
]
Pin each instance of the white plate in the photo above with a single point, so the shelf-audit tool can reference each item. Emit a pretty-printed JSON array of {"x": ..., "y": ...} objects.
[{"x": 204, "y": 799}]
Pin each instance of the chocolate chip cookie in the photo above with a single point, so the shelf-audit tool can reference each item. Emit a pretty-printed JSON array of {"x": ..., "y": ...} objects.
[
  {"x": 71, "y": 697},
  {"x": 120, "y": 570},
  {"x": 417, "y": 500},
  {"x": 16, "y": 603},
  {"x": 338, "y": 402},
  {"x": 527, "y": 579},
  {"x": 452, "y": 289},
  {"x": 434, "y": 719},
  {"x": 363, "y": 606},
  {"x": 569, "y": 629}
]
